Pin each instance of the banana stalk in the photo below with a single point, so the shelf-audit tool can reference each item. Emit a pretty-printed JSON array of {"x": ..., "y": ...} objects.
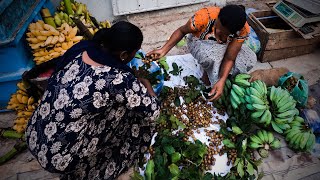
[
  {"x": 12, "y": 134},
  {"x": 14, "y": 151}
]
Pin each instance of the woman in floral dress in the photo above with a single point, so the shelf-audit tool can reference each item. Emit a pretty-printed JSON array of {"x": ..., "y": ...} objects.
[{"x": 95, "y": 119}]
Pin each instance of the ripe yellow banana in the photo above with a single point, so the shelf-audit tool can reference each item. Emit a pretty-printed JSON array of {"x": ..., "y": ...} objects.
[
  {"x": 39, "y": 26},
  {"x": 61, "y": 38},
  {"x": 29, "y": 35},
  {"x": 42, "y": 38},
  {"x": 25, "y": 99},
  {"x": 55, "y": 40},
  {"x": 21, "y": 86},
  {"x": 77, "y": 38},
  {"x": 64, "y": 46},
  {"x": 48, "y": 41},
  {"x": 35, "y": 33},
  {"x": 33, "y": 40},
  {"x": 70, "y": 44},
  {"x": 30, "y": 100},
  {"x": 32, "y": 26},
  {"x": 19, "y": 97},
  {"x": 46, "y": 33},
  {"x": 21, "y": 92},
  {"x": 35, "y": 46},
  {"x": 55, "y": 55}
]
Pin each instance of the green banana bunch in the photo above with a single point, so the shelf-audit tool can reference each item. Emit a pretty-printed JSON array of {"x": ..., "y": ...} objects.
[
  {"x": 300, "y": 136},
  {"x": 62, "y": 17},
  {"x": 257, "y": 102},
  {"x": 264, "y": 139},
  {"x": 242, "y": 80},
  {"x": 284, "y": 109},
  {"x": 237, "y": 96}
]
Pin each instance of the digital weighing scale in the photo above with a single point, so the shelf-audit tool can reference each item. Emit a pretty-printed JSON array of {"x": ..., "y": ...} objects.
[{"x": 298, "y": 12}]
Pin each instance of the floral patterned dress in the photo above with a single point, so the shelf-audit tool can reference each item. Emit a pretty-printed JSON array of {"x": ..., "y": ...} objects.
[{"x": 92, "y": 122}]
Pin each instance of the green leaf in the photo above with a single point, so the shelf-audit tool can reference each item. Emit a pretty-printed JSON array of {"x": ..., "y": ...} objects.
[
  {"x": 228, "y": 143},
  {"x": 137, "y": 176},
  {"x": 175, "y": 157},
  {"x": 174, "y": 169},
  {"x": 163, "y": 63},
  {"x": 150, "y": 170},
  {"x": 207, "y": 176},
  {"x": 188, "y": 100},
  {"x": 250, "y": 169},
  {"x": 175, "y": 178},
  {"x": 240, "y": 168},
  {"x": 180, "y": 124},
  {"x": 177, "y": 101},
  {"x": 169, "y": 149},
  {"x": 236, "y": 130},
  {"x": 138, "y": 56},
  {"x": 181, "y": 43}
]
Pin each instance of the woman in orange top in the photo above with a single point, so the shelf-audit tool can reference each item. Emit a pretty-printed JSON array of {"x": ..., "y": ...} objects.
[{"x": 216, "y": 42}]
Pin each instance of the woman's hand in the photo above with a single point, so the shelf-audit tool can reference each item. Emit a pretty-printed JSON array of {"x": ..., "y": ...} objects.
[
  {"x": 217, "y": 90},
  {"x": 147, "y": 84},
  {"x": 158, "y": 53}
]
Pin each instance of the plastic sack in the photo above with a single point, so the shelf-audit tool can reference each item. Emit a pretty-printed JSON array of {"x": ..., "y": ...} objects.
[
  {"x": 136, "y": 63},
  {"x": 297, "y": 86},
  {"x": 253, "y": 41}
]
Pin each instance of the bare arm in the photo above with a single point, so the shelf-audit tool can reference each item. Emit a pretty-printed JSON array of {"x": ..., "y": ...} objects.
[
  {"x": 174, "y": 39},
  {"x": 227, "y": 63}
]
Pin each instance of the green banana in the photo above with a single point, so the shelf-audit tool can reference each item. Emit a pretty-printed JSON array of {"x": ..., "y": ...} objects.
[
  {"x": 290, "y": 134},
  {"x": 284, "y": 126},
  {"x": 298, "y": 119},
  {"x": 296, "y": 143},
  {"x": 312, "y": 142},
  {"x": 228, "y": 84},
  {"x": 233, "y": 103},
  {"x": 259, "y": 107},
  {"x": 261, "y": 136},
  {"x": 263, "y": 86},
  {"x": 286, "y": 107},
  {"x": 265, "y": 135},
  {"x": 270, "y": 137},
  {"x": 248, "y": 99},
  {"x": 250, "y": 107},
  {"x": 283, "y": 120},
  {"x": 254, "y": 145},
  {"x": 276, "y": 127},
  {"x": 235, "y": 97},
  {"x": 256, "y": 139},
  {"x": 272, "y": 93},
  {"x": 243, "y": 76},
  {"x": 256, "y": 100},
  {"x": 256, "y": 93},
  {"x": 258, "y": 87},
  {"x": 293, "y": 139},
  {"x": 242, "y": 82},
  {"x": 304, "y": 140},
  {"x": 257, "y": 114},
  {"x": 275, "y": 144},
  {"x": 240, "y": 91},
  {"x": 287, "y": 114},
  {"x": 266, "y": 117}
]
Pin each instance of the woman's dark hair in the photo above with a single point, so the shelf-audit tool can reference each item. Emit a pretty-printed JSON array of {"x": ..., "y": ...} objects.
[
  {"x": 122, "y": 36},
  {"x": 233, "y": 17}
]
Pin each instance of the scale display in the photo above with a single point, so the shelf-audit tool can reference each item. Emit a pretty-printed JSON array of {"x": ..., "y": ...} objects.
[{"x": 293, "y": 15}]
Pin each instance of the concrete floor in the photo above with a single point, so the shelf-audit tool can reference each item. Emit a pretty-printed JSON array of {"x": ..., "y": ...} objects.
[{"x": 157, "y": 27}]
